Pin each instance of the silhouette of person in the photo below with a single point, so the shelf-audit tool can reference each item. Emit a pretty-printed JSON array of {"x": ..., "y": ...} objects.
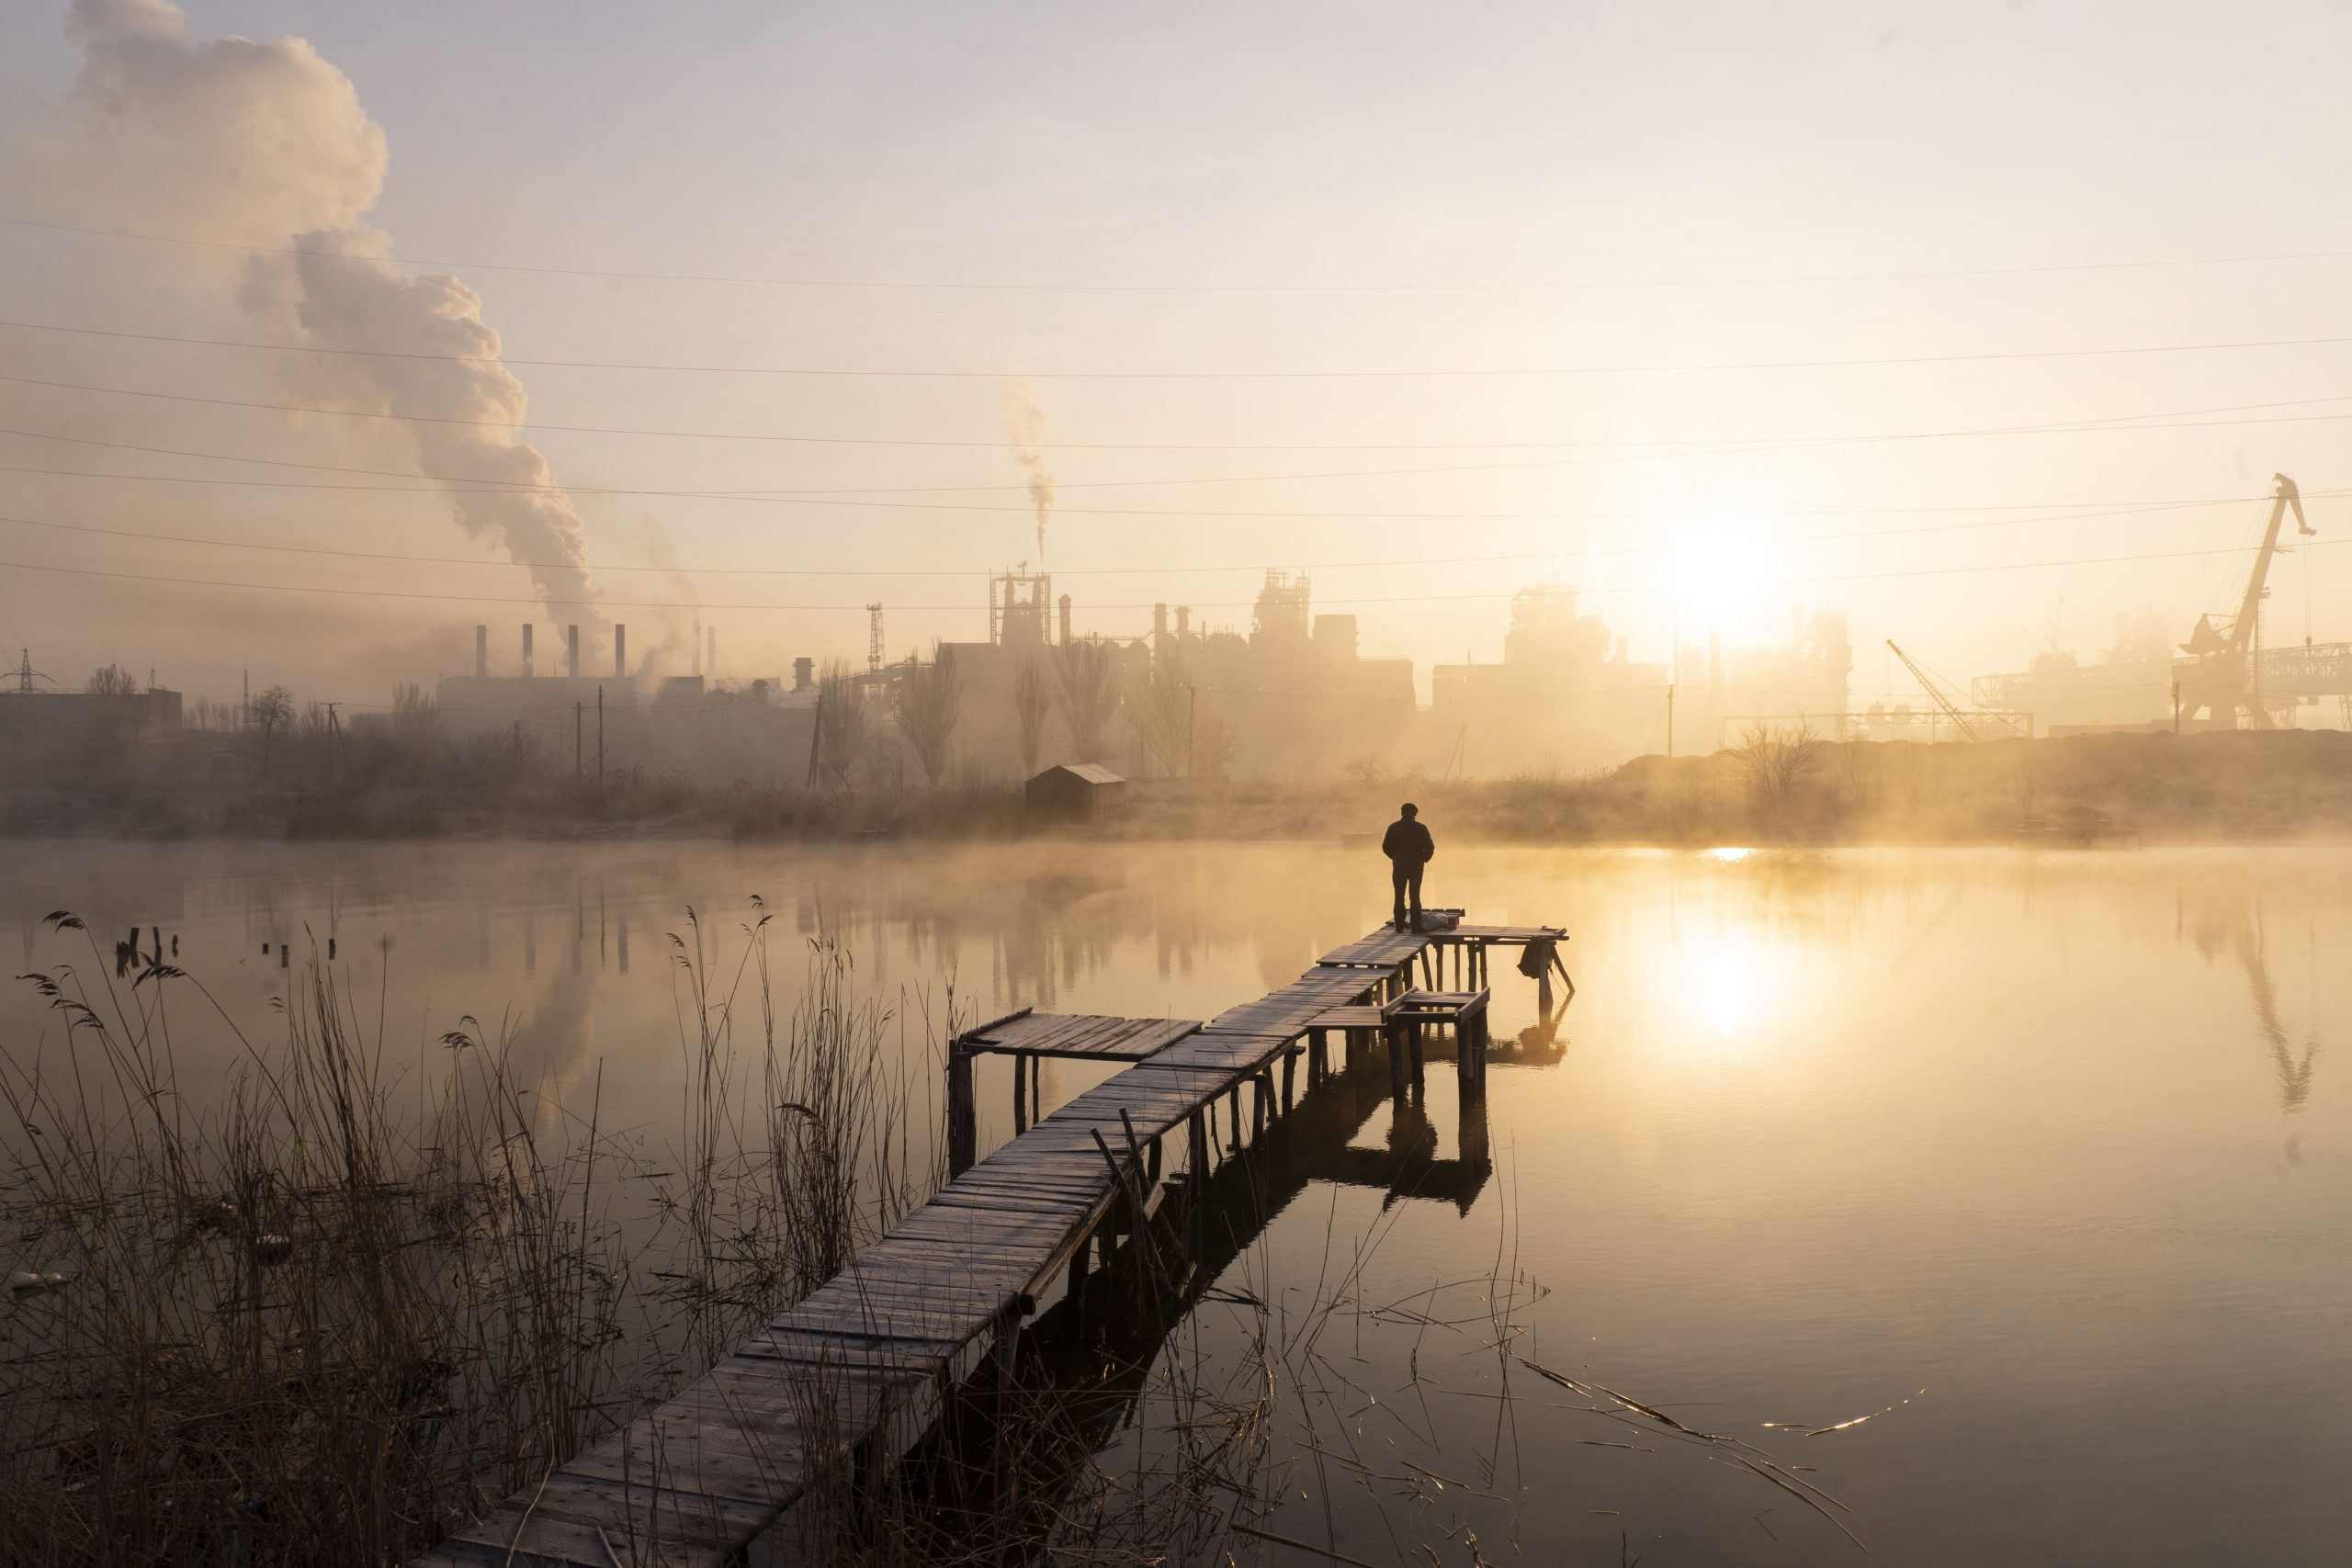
[{"x": 1409, "y": 849}]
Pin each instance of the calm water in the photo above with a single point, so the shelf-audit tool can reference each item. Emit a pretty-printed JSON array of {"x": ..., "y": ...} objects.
[{"x": 2045, "y": 1152}]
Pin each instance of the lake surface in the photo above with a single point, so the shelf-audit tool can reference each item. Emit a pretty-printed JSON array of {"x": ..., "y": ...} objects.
[{"x": 2043, "y": 1155}]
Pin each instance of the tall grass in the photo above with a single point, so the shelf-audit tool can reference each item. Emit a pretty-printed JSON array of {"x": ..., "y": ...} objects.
[
  {"x": 313, "y": 1314},
  {"x": 293, "y": 1318}
]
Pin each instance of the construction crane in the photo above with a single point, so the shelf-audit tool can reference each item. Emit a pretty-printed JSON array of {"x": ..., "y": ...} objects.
[
  {"x": 2224, "y": 680},
  {"x": 1959, "y": 719}
]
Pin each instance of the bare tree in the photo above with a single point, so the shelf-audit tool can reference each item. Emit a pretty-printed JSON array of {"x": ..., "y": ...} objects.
[
  {"x": 1088, "y": 677},
  {"x": 416, "y": 713},
  {"x": 926, "y": 702},
  {"x": 1774, "y": 762},
  {"x": 271, "y": 711},
  {"x": 1163, "y": 715},
  {"x": 1031, "y": 705},
  {"x": 1212, "y": 746},
  {"x": 112, "y": 681},
  {"x": 840, "y": 726}
]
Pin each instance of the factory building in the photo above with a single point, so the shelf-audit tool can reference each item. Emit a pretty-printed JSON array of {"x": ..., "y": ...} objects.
[{"x": 755, "y": 731}]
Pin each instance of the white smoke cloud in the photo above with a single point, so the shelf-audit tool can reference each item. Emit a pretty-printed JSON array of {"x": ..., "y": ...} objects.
[
  {"x": 268, "y": 145},
  {"x": 1024, "y": 423}
]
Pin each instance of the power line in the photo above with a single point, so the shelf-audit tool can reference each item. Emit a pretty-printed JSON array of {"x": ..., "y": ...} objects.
[
  {"x": 2120, "y": 508},
  {"x": 999, "y": 445},
  {"x": 946, "y": 284},
  {"x": 1561, "y": 553},
  {"x": 842, "y": 372},
  {"x": 1211, "y": 604},
  {"x": 804, "y": 496}
]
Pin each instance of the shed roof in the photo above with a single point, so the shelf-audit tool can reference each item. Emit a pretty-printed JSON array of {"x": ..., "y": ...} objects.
[{"x": 1093, "y": 773}]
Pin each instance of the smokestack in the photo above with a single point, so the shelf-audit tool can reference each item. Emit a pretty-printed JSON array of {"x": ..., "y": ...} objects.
[
  {"x": 804, "y": 674},
  {"x": 527, "y": 648},
  {"x": 1183, "y": 620},
  {"x": 712, "y": 663},
  {"x": 1160, "y": 623},
  {"x": 1065, "y": 606},
  {"x": 571, "y": 652},
  {"x": 620, "y": 653},
  {"x": 481, "y": 652}
]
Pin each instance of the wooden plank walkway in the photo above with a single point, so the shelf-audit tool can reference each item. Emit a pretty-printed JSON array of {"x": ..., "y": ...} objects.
[
  {"x": 847, "y": 1381},
  {"x": 1386, "y": 948},
  {"x": 1080, "y": 1035}
]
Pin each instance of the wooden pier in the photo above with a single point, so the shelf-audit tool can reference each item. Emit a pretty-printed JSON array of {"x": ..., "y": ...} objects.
[{"x": 835, "y": 1390}]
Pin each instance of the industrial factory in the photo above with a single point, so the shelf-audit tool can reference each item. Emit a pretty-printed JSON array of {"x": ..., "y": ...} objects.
[{"x": 1292, "y": 695}]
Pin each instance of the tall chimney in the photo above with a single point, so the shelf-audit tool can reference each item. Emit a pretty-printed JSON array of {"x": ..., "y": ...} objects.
[
  {"x": 620, "y": 653},
  {"x": 804, "y": 674},
  {"x": 527, "y": 648},
  {"x": 1065, "y": 607},
  {"x": 1160, "y": 623},
  {"x": 571, "y": 652},
  {"x": 1183, "y": 620},
  {"x": 481, "y": 652},
  {"x": 712, "y": 663}
]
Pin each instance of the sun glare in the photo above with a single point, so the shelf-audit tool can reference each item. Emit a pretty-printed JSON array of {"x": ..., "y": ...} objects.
[
  {"x": 1724, "y": 979},
  {"x": 1725, "y": 579}
]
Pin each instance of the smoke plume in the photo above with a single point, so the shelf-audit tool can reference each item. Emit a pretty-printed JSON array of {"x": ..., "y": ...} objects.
[
  {"x": 1024, "y": 424},
  {"x": 266, "y": 145}
]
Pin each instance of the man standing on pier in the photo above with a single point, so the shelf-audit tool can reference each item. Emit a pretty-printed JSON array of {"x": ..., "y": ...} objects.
[{"x": 1409, "y": 849}]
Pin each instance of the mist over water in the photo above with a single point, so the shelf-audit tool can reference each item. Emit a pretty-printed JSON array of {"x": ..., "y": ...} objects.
[{"x": 2048, "y": 1146}]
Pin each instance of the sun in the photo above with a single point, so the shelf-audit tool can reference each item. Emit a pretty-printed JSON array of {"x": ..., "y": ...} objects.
[{"x": 1725, "y": 579}]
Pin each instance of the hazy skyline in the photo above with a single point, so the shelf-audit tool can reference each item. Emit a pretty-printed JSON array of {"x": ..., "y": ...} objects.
[{"x": 1320, "y": 190}]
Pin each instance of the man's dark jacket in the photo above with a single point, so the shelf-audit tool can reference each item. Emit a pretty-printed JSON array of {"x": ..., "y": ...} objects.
[{"x": 1409, "y": 843}]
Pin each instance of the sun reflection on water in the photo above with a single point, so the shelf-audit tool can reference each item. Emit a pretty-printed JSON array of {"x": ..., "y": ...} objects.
[{"x": 1724, "y": 979}]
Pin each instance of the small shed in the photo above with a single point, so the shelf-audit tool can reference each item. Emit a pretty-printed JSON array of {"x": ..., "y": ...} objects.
[{"x": 1078, "y": 790}]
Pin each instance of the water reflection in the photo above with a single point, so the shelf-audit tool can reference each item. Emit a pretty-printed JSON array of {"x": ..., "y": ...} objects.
[{"x": 1834, "y": 1126}]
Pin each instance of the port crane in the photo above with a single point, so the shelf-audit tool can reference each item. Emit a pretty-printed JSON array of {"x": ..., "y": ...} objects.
[
  {"x": 2223, "y": 676},
  {"x": 1935, "y": 694}
]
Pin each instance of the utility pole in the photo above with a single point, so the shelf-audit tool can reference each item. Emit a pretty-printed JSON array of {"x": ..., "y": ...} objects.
[
  {"x": 578, "y": 709},
  {"x": 335, "y": 730},
  {"x": 600, "y": 737},
  {"x": 1192, "y": 715},
  {"x": 2175, "y": 705},
  {"x": 873, "y": 639},
  {"x": 1669, "y": 721}
]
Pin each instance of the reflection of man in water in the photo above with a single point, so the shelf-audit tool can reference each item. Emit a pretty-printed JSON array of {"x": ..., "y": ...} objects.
[{"x": 1409, "y": 848}]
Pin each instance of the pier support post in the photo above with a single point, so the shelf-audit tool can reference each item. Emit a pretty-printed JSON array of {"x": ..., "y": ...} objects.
[
  {"x": 1080, "y": 1264},
  {"x": 1290, "y": 1062},
  {"x": 963, "y": 1132}
]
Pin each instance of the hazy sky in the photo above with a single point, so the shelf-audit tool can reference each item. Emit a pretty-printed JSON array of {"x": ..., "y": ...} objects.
[{"x": 1658, "y": 173}]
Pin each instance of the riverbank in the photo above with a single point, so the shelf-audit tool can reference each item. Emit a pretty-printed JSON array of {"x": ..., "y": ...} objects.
[{"x": 1788, "y": 786}]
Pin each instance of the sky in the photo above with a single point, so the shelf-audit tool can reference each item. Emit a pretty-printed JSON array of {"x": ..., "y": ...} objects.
[{"x": 1715, "y": 311}]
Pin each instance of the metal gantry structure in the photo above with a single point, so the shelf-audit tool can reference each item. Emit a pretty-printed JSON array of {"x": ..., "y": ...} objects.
[
  {"x": 2223, "y": 678},
  {"x": 1950, "y": 710}
]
